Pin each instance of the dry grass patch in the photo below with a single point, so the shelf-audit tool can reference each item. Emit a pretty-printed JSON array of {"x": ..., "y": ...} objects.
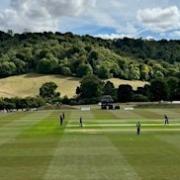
[
  {"x": 134, "y": 84},
  {"x": 29, "y": 84}
]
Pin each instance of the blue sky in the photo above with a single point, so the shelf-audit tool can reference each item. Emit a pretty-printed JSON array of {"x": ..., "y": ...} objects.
[
  {"x": 4, "y": 4},
  {"x": 157, "y": 19}
]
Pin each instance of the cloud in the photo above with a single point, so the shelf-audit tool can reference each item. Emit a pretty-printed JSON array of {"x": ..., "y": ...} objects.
[
  {"x": 114, "y": 36},
  {"x": 40, "y": 15},
  {"x": 159, "y": 19},
  {"x": 51, "y": 15},
  {"x": 104, "y": 18}
]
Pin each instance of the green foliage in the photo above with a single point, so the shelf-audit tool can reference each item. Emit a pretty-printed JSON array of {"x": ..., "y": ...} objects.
[
  {"x": 159, "y": 90},
  {"x": 48, "y": 91},
  {"x": 109, "y": 89},
  {"x": 134, "y": 72},
  {"x": 159, "y": 50},
  {"x": 47, "y": 65},
  {"x": 124, "y": 93},
  {"x": 145, "y": 72},
  {"x": 91, "y": 87},
  {"x": 140, "y": 98},
  {"x": 65, "y": 71},
  {"x": 174, "y": 87},
  {"x": 20, "y": 66},
  {"x": 74, "y": 55},
  {"x": 103, "y": 72},
  {"x": 7, "y": 68},
  {"x": 10, "y": 104},
  {"x": 84, "y": 70}
]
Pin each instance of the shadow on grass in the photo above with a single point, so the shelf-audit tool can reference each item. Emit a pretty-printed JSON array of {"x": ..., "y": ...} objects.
[{"x": 33, "y": 75}]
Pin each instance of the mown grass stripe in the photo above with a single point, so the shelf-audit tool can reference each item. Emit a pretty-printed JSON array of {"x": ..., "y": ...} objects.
[
  {"x": 88, "y": 157},
  {"x": 32, "y": 150},
  {"x": 107, "y": 147},
  {"x": 11, "y": 130},
  {"x": 151, "y": 157},
  {"x": 7, "y": 118}
]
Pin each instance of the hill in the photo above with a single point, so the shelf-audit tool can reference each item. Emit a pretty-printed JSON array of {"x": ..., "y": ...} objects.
[
  {"x": 29, "y": 84},
  {"x": 72, "y": 55}
]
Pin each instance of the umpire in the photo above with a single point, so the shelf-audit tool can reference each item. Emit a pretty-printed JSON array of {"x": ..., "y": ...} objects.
[{"x": 138, "y": 126}]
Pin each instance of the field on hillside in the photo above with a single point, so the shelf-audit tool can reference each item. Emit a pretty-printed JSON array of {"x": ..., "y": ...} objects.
[
  {"x": 29, "y": 84},
  {"x": 34, "y": 147}
]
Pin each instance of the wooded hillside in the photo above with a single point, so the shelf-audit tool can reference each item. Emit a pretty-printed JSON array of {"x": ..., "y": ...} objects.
[{"x": 68, "y": 54}]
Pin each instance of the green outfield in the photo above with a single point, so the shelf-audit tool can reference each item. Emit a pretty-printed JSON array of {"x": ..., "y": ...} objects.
[{"x": 34, "y": 147}]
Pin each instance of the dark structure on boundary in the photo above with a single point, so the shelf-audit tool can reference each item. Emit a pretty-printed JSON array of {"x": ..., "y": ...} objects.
[{"x": 107, "y": 102}]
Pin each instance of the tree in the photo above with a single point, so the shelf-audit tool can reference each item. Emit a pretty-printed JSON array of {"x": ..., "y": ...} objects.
[
  {"x": 134, "y": 72},
  {"x": 173, "y": 85},
  {"x": 48, "y": 91},
  {"x": 140, "y": 98},
  {"x": 103, "y": 72},
  {"x": 31, "y": 102},
  {"x": 91, "y": 87},
  {"x": 65, "y": 71},
  {"x": 47, "y": 65},
  {"x": 159, "y": 90},
  {"x": 158, "y": 74},
  {"x": 20, "y": 66},
  {"x": 21, "y": 103},
  {"x": 2, "y": 104},
  {"x": 75, "y": 55},
  {"x": 7, "y": 68},
  {"x": 109, "y": 89},
  {"x": 145, "y": 91},
  {"x": 84, "y": 70},
  {"x": 145, "y": 72},
  {"x": 92, "y": 58},
  {"x": 125, "y": 93}
]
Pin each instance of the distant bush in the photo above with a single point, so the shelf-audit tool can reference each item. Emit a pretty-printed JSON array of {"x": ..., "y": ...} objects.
[
  {"x": 10, "y": 104},
  {"x": 117, "y": 107},
  {"x": 140, "y": 98}
]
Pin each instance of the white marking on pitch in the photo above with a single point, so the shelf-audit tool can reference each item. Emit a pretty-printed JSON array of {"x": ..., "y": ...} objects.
[
  {"x": 118, "y": 121},
  {"x": 122, "y": 125},
  {"x": 119, "y": 130}
]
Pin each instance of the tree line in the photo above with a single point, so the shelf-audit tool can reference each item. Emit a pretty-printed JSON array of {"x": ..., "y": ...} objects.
[
  {"x": 73, "y": 55},
  {"x": 92, "y": 89},
  {"x": 23, "y": 104},
  {"x": 166, "y": 50}
]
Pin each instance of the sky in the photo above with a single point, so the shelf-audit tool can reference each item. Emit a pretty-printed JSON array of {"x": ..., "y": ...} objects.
[{"x": 157, "y": 19}]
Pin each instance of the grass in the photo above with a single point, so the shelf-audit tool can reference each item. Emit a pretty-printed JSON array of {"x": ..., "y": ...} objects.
[
  {"x": 29, "y": 84},
  {"x": 34, "y": 147},
  {"x": 163, "y": 106},
  {"x": 135, "y": 83}
]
